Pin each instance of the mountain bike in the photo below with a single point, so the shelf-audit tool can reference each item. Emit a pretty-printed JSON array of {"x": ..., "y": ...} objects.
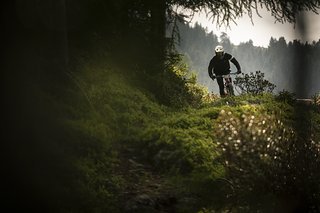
[{"x": 228, "y": 86}]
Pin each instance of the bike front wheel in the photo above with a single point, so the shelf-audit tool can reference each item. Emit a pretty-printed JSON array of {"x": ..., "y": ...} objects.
[{"x": 230, "y": 90}]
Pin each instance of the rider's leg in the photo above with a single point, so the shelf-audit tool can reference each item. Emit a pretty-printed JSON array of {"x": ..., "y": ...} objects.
[
  {"x": 230, "y": 86},
  {"x": 221, "y": 86}
]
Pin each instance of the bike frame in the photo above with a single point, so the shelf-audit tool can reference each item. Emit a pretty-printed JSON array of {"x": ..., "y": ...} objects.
[{"x": 228, "y": 86}]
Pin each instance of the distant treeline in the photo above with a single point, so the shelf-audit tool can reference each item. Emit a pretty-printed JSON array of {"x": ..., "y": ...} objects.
[{"x": 293, "y": 65}]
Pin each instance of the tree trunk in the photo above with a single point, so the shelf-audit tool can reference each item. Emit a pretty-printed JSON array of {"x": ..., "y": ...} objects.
[
  {"x": 35, "y": 57},
  {"x": 158, "y": 26}
]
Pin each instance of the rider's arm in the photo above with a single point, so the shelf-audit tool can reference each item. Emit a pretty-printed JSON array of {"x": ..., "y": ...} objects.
[
  {"x": 210, "y": 69},
  {"x": 236, "y": 63}
]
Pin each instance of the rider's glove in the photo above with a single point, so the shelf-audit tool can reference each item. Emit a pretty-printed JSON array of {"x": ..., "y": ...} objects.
[{"x": 239, "y": 71}]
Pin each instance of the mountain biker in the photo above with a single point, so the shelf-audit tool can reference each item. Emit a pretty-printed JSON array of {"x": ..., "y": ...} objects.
[{"x": 220, "y": 65}]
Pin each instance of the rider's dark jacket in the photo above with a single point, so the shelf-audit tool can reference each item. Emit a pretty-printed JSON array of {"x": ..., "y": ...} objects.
[{"x": 221, "y": 66}]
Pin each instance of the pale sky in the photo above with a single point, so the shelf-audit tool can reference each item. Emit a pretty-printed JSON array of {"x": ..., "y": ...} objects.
[{"x": 263, "y": 28}]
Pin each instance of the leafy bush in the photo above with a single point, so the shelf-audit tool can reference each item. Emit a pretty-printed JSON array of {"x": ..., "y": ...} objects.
[
  {"x": 316, "y": 99},
  {"x": 286, "y": 96},
  {"x": 177, "y": 86},
  {"x": 210, "y": 98},
  {"x": 266, "y": 161},
  {"x": 254, "y": 83}
]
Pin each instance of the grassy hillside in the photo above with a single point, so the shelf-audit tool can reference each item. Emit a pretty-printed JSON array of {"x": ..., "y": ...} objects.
[
  {"x": 135, "y": 154},
  {"x": 126, "y": 148}
]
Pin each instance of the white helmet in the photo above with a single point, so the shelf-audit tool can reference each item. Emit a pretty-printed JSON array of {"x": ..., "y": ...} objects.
[{"x": 219, "y": 49}]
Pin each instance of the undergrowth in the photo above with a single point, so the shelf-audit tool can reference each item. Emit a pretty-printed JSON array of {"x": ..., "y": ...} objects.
[{"x": 200, "y": 152}]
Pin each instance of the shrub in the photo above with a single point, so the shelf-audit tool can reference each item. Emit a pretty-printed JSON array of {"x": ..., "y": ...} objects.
[
  {"x": 267, "y": 162},
  {"x": 286, "y": 96},
  {"x": 316, "y": 98},
  {"x": 254, "y": 83},
  {"x": 177, "y": 86}
]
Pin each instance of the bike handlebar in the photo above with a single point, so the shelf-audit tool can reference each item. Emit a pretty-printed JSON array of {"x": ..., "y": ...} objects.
[{"x": 232, "y": 73}]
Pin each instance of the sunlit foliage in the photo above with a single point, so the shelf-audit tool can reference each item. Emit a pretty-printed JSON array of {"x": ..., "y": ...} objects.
[
  {"x": 178, "y": 86},
  {"x": 267, "y": 161},
  {"x": 316, "y": 99}
]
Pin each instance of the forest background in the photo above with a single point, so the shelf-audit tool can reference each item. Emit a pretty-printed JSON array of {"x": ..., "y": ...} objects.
[{"x": 278, "y": 61}]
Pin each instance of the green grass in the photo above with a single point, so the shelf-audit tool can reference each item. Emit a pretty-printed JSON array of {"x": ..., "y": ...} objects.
[{"x": 122, "y": 142}]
